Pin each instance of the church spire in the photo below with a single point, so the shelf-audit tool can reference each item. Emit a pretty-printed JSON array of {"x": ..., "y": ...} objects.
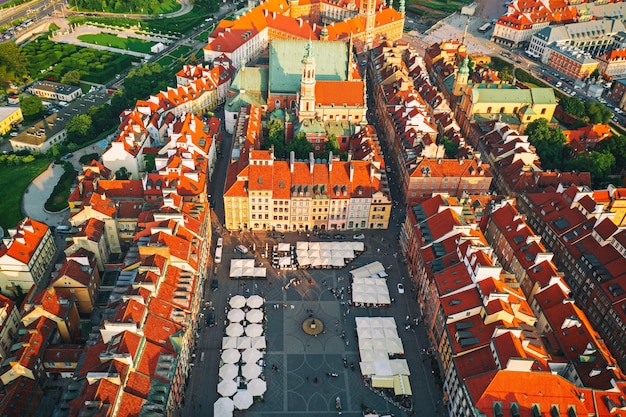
[
  {"x": 307, "y": 84},
  {"x": 402, "y": 7}
]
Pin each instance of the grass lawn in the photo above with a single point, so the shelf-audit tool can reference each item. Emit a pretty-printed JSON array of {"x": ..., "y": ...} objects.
[
  {"x": 182, "y": 24},
  {"x": 203, "y": 36},
  {"x": 129, "y": 44},
  {"x": 13, "y": 182},
  {"x": 180, "y": 51},
  {"x": 58, "y": 199},
  {"x": 168, "y": 6},
  {"x": 165, "y": 61}
]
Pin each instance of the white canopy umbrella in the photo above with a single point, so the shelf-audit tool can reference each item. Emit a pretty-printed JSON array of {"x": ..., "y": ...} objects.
[
  {"x": 254, "y": 330},
  {"x": 399, "y": 367},
  {"x": 228, "y": 371},
  {"x": 393, "y": 345},
  {"x": 243, "y": 400},
  {"x": 223, "y": 407},
  {"x": 388, "y": 322},
  {"x": 367, "y": 368},
  {"x": 251, "y": 355},
  {"x": 284, "y": 247},
  {"x": 227, "y": 388},
  {"x": 257, "y": 387},
  {"x": 251, "y": 371},
  {"x": 243, "y": 343},
  {"x": 300, "y": 245},
  {"x": 237, "y": 301},
  {"x": 230, "y": 356},
  {"x": 390, "y": 332},
  {"x": 255, "y": 301},
  {"x": 254, "y": 316},
  {"x": 229, "y": 342},
  {"x": 234, "y": 329},
  {"x": 258, "y": 342},
  {"x": 236, "y": 315},
  {"x": 366, "y": 344}
]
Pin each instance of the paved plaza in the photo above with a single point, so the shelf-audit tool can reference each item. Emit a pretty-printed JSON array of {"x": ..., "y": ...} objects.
[{"x": 301, "y": 386}]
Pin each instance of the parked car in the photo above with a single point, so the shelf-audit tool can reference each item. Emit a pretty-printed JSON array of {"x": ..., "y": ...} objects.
[
  {"x": 278, "y": 235},
  {"x": 220, "y": 242},
  {"x": 215, "y": 284},
  {"x": 324, "y": 236},
  {"x": 241, "y": 249},
  {"x": 66, "y": 157},
  {"x": 400, "y": 288},
  {"x": 339, "y": 237},
  {"x": 359, "y": 236}
]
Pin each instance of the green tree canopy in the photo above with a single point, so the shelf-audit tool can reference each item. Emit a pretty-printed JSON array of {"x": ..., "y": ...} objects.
[
  {"x": 573, "y": 106},
  {"x": 616, "y": 146},
  {"x": 548, "y": 142},
  {"x": 276, "y": 137},
  {"x": 13, "y": 63},
  {"x": 599, "y": 164},
  {"x": 122, "y": 174},
  {"x": 32, "y": 107},
  {"x": 331, "y": 145},
  {"x": 301, "y": 146},
  {"x": 597, "y": 112},
  {"x": 79, "y": 128},
  {"x": 71, "y": 77},
  {"x": 451, "y": 148}
]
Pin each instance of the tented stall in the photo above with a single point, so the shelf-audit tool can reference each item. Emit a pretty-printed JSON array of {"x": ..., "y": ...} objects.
[{"x": 245, "y": 268}]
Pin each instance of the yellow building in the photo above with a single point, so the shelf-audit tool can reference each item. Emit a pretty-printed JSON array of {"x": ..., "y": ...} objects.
[
  {"x": 9, "y": 117},
  {"x": 380, "y": 211}
]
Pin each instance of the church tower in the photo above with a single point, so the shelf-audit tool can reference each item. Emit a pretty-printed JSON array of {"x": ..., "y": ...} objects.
[
  {"x": 307, "y": 84},
  {"x": 368, "y": 10},
  {"x": 461, "y": 78}
]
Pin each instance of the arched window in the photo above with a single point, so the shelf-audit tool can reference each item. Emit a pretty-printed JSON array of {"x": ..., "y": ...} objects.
[{"x": 277, "y": 104}]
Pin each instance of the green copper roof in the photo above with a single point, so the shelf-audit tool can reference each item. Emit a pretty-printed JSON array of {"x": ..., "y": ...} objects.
[
  {"x": 234, "y": 103},
  {"x": 252, "y": 80},
  {"x": 464, "y": 67},
  {"x": 331, "y": 63},
  {"x": 513, "y": 95},
  {"x": 310, "y": 126}
]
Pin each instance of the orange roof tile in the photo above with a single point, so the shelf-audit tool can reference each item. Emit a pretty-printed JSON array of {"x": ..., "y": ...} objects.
[{"x": 28, "y": 236}]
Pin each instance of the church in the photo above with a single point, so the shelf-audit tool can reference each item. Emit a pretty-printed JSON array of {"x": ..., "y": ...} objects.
[{"x": 314, "y": 87}]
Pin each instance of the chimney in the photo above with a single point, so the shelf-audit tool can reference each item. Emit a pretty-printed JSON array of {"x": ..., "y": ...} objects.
[
  {"x": 351, "y": 171},
  {"x": 330, "y": 155},
  {"x": 292, "y": 160},
  {"x": 265, "y": 12},
  {"x": 349, "y": 155},
  {"x": 330, "y": 163},
  {"x": 311, "y": 162},
  {"x": 300, "y": 22},
  {"x": 372, "y": 171},
  {"x": 314, "y": 27}
]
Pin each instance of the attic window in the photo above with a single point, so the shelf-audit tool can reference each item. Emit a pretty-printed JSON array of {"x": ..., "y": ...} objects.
[{"x": 260, "y": 180}]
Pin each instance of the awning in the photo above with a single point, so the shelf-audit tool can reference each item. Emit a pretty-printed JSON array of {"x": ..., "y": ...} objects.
[
  {"x": 401, "y": 385},
  {"x": 382, "y": 381}
]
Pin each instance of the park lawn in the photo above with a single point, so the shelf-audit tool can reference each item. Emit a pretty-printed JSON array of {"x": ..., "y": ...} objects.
[
  {"x": 168, "y": 6},
  {"x": 181, "y": 24},
  {"x": 165, "y": 61},
  {"x": 180, "y": 51},
  {"x": 129, "y": 44},
  {"x": 442, "y": 6},
  {"x": 13, "y": 182}
]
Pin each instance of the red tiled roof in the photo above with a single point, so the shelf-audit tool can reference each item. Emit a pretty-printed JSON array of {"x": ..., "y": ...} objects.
[
  {"x": 339, "y": 93},
  {"x": 28, "y": 236}
]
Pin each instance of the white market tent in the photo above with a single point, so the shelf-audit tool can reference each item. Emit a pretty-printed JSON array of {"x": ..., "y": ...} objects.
[
  {"x": 284, "y": 247},
  {"x": 284, "y": 261},
  {"x": 257, "y": 387},
  {"x": 367, "y": 290},
  {"x": 259, "y": 342},
  {"x": 227, "y": 388},
  {"x": 251, "y": 371},
  {"x": 368, "y": 270},
  {"x": 228, "y": 371},
  {"x": 254, "y": 330},
  {"x": 236, "y": 315},
  {"x": 255, "y": 301},
  {"x": 229, "y": 342},
  {"x": 237, "y": 301},
  {"x": 251, "y": 355},
  {"x": 254, "y": 316},
  {"x": 243, "y": 400},
  {"x": 230, "y": 356},
  {"x": 234, "y": 329},
  {"x": 327, "y": 254},
  {"x": 240, "y": 268},
  {"x": 223, "y": 407},
  {"x": 243, "y": 343},
  {"x": 378, "y": 339}
]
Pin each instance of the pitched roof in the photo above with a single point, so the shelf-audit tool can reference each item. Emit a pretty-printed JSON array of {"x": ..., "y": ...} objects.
[{"x": 25, "y": 240}]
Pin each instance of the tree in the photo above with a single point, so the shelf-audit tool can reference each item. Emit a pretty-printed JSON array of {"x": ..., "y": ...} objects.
[
  {"x": 452, "y": 148},
  {"x": 616, "y": 146},
  {"x": 79, "y": 128},
  {"x": 599, "y": 164},
  {"x": 122, "y": 174},
  {"x": 573, "y": 106},
  {"x": 597, "y": 112},
  {"x": 301, "y": 146},
  {"x": 71, "y": 78},
  {"x": 68, "y": 166},
  {"x": 595, "y": 74},
  {"x": 331, "y": 145},
  {"x": 102, "y": 118},
  {"x": 276, "y": 137},
  {"x": 32, "y": 107},
  {"x": 548, "y": 142},
  {"x": 13, "y": 63}
]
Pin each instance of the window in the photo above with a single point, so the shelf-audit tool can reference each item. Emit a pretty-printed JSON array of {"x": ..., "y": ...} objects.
[{"x": 543, "y": 111}]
